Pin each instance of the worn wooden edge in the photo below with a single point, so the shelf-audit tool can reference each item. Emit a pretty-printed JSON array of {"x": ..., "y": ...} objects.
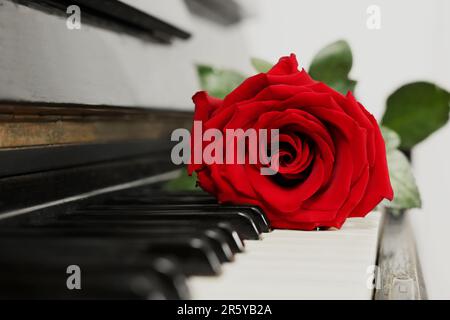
[
  {"x": 40, "y": 124},
  {"x": 399, "y": 275}
]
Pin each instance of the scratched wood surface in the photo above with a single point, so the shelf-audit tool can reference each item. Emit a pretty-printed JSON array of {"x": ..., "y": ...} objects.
[{"x": 24, "y": 125}]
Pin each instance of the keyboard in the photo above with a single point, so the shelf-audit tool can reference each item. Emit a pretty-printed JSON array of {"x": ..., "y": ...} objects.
[{"x": 147, "y": 243}]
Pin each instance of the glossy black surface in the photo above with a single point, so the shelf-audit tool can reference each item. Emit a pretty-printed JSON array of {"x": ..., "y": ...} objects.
[{"x": 138, "y": 244}]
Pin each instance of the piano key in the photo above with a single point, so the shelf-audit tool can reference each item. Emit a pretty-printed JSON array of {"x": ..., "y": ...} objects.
[
  {"x": 219, "y": 238},
  {"x": 167, "y": 196},
  {"x": 223, "y": 249},
  {"x": 168, "y": 281},
  {"x": 121, "y": 283},
  {"x": 161, "y": 198},
  {"x": 176, "y": 199},
  {"x": 241, "y": 222},
  {"x": 168, "y": 269},
  {"x": 195, "y": 254},
  {"x": 255, "y": 213},
  {"x": 234, "y": 241},
  {"x": 77, "y": 250},
  {"x": 290, "y": 264}
]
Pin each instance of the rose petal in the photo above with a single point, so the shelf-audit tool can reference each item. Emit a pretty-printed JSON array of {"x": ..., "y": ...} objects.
[{"x": 285, "y": 65}]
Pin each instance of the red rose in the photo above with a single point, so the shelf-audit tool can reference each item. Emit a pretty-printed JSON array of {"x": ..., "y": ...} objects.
[{"x": 332, "y": 155}]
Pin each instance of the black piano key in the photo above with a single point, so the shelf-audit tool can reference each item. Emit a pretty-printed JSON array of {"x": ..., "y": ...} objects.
[
  {"x": 75, "y": 250},
  {"x": 224, "y": 251},
  {"x": 218, "y": 237},
  {"x": 170, "y": 271},
  {"x": 50, "y": 283},
  {"x": 255, "y": 213},
  {"x": 236, "y": 243},
  {"x": 240, "y": 221},
  {"x": 167, "y": 196},
  {"x": 20, "y": 259},
  {"x": 196, "y": 255},
  {"x": 231, "y": 237},
  {"x": 201, "y": 258},
  {"x": 161, "y": 199}
]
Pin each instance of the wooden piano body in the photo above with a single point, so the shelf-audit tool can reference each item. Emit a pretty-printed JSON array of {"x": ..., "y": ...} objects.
[{"x": 85, "y": 123}]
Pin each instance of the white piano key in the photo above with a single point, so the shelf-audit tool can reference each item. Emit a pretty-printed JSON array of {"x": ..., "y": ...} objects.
[{"x": 288, "y": 264}]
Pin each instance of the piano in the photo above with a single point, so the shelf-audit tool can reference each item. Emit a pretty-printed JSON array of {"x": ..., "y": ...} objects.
[{"x": 85, "y": 209}]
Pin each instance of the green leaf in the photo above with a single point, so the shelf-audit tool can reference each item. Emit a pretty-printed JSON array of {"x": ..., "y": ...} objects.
[
  {"x": 332, "y": 65},
  {"x": 218, "y": 82},
  {"x": 261, "y": 65},
  {"x": 184, "y": 182},
  {"x": 406, "y": 193},
  {"x": 415, "y": 111},
  {"x": 391, "y": 138},
  {"x": 343, "y": 86}
]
